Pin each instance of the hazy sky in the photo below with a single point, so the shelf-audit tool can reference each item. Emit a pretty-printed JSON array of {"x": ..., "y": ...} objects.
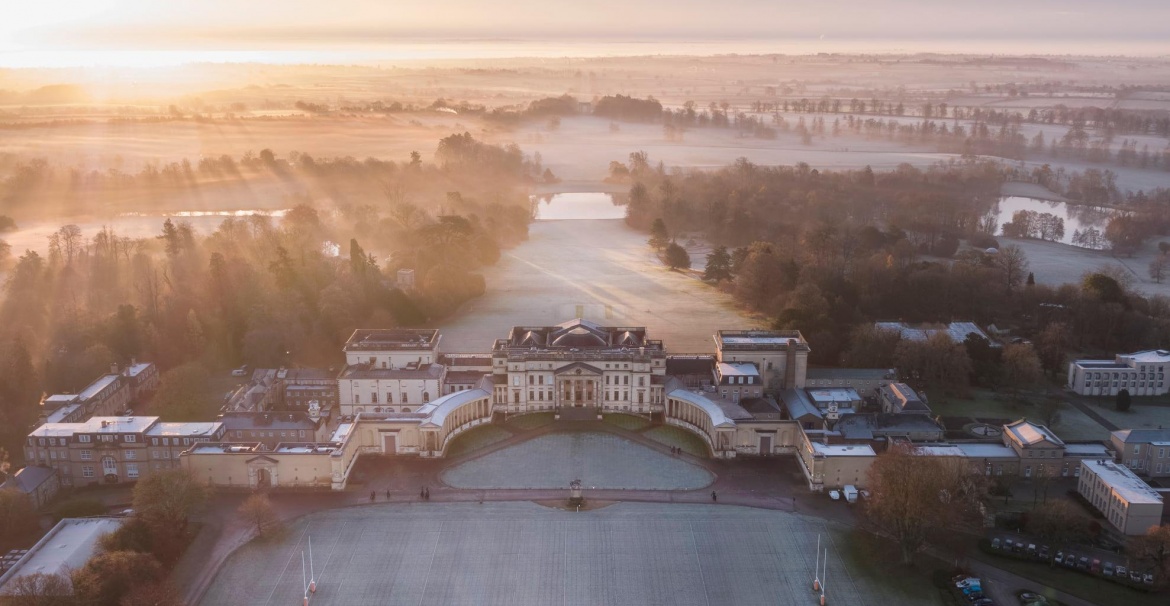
[{"x": 52, "y": 25}]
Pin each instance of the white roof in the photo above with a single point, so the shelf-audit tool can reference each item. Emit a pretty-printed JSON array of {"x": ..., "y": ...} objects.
[
  {"x": 1029, "y": 433},
  {"x": 66, "y": 547},
  {"x": 843, "y": 450},
  {"x": 738, "y": 369},
  {"x": 986, "y": 451},
  {"x": 137, "y": 369},
  {"x": 940, "y": 450},
  {"x": 94, "y": 425},
  {"x": 834, "y": 394},
  {"x": 185, "y": 429},
  {"x": 1148, "y": 356},
  {"x": 1122, "y": 481},
  {"x": 438, "y": 410},
  {"x": 1096, "y": 450},
  {"x": 341, "y": 433},
  {"x": 743, "y": 340},
  {"x": 958, "y": 331},
  {"x": 718, "y": 418},
  {"x": 97, "y": 386},
  {"x": 61, "y": 413}
]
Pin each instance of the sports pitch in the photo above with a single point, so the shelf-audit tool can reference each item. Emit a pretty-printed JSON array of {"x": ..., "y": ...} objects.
[{"x": 523, "y": 553}]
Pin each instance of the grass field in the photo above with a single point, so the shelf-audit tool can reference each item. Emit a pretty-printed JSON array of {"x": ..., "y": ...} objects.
[
  {"x": 477, "y": 438},
  {"x": 630, "y": 422},
  {"x": 530, "y": 421},
  {"x": 1073, "y": 425}
]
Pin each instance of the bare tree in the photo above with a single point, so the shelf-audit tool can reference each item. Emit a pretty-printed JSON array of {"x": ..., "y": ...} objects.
[
  {"x": 257, "y": 509},
  {"x": 914, "y": 496},
  {"x": 1013, "y": 263},
  {"x": 1158, "y": 268},
  {"x": 38, "y": 589}
]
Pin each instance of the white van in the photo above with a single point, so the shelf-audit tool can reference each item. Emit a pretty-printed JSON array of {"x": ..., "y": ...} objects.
[{"x": 850, "y": 492}]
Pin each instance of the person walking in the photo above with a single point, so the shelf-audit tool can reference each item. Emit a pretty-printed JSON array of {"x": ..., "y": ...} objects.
[
  {"x": 387, "y": 494},
  {"x": 372, "y": 496},
  {"x": 422, "y": 493},
  {"x": 714, "y": 497},
  {"x": 428, "y": 490}
]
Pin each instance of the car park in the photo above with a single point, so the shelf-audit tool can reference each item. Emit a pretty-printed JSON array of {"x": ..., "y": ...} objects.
[
  {"x": 1044, "y": 552},
  {"x": 995, "y": 544}
]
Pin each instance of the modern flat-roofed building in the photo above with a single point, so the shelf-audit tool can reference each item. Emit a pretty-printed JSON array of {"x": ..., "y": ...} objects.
[
  {"x": 1142, "y": 374},
  {"x": 393, "y": 347},
  {"x": 832, "y": 466},
  {"x": 780, "y": 355},
  {"x": 65, "y": 548},
  {"x": 113, "y": 449},
  {"x": 1130, "y": 505}
]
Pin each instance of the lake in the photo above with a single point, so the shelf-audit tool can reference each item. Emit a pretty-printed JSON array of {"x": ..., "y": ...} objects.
[
  {"x": 577, "y": 206},
  {"x": 1076, "y": 217}
]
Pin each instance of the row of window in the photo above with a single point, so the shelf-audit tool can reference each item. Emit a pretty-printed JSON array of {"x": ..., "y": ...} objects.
[
  {"x": 357, "y": 398},
  {"x": 300, "y": 433},
  {"x": 128, "y": 438},
  {"x": 1131, "y": 383}
]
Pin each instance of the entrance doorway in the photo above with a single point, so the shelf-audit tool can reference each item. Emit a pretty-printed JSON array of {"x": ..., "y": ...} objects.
[
  {"x": 389, "y": 443},
  {"x": 765, "y": 445}
]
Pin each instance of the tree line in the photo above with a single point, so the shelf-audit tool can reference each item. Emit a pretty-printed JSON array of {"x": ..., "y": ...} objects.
[{"x": 827, "y": 251}]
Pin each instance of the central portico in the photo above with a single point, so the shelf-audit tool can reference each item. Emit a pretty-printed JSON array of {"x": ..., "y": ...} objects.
[{"x": 578, "y": 365}]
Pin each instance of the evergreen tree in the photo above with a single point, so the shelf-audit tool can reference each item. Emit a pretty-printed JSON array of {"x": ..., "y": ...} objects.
[
  {"x": 659, "y": 238},
  {"x": 677, "y": 257},
  {"x": 718, "y": 265}
]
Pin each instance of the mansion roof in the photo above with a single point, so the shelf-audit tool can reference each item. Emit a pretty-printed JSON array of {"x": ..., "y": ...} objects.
[{"x": 576, "y": 336}]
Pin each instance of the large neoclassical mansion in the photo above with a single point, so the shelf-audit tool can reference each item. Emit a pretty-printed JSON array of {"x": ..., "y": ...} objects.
[{"x": 400, "y": 395}]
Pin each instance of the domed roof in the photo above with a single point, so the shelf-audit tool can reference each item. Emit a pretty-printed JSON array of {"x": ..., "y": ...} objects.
[{"x": 578, "y": 337}]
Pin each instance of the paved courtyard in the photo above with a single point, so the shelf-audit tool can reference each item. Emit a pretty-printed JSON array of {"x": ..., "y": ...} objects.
[
  {"x": 600, "y": 270},
  {"x": 447, "y": 554},
  {"x": 599, "y": 460}
]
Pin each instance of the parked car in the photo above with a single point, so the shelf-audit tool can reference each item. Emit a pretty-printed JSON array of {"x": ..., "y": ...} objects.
[
  {"x": 1031, "y": 550},
  {"x": 1044, "y": 552},
  {"x": 1135, "y": 576},
  {"x": 1107, "y": 569},
  {"x": 1148, "y": 578},
  {"x": 1018, "y": 547},
  {"x": 1083, "y": 563},
  {"x": 1095, "y": 567},
  {"x": 966, "y": 582},
  {"x": 995, "y": 543},
  {"x": 835, "y": 495},
  {"x": 983, "y": 602},
  {"x": 973, "y": 589},
  {"x": 1008, "y": 544},
  {"x": 1120, "y": 572},
  {"x": 1060, "y": 557},
  {"x": 1070, "y": 560},
  {"x": 239, "y": 372},
  {"x": 975, "y": 596}
]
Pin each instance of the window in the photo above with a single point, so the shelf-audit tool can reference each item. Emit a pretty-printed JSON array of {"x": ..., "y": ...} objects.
[
  {"x": 531, "y": 395},
  {"x": 516, "y": 380},
  {"x": 540, "y": 380},
  {"x": 641, "y": 381},
  {"x": 404, "y": 398},
  {"x": 389, "y": 397},
  {"x": 131, "y": 455},
  {"x": 531, "y": 380},
  {"x": 131, "y": 438},
  {"x": 1137, "y": 449},
  {"x": 357, "y": 398},
  {"x": 132, "y": 470},
  {"x": 87, "y": 455},
  {"x": 607, "y": 379},
  {"x": 83, "y": 438},
  {"x": 374, "y": 398},
  {"x": 750, "y": 380},
  {"x": 87, "y": 471},
  {"x": 154, "y": 454},
  {"x": 626, "y": 379}
]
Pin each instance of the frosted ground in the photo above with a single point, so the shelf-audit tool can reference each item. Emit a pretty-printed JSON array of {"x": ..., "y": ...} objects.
[
  {"x": 523, "y": 553},
  {"x": 599, "y": 460}
]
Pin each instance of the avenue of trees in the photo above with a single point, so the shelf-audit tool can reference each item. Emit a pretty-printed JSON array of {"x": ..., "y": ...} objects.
[
  {"x": 825, "y": 252},
  {"x": 259, "y": 290}
]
